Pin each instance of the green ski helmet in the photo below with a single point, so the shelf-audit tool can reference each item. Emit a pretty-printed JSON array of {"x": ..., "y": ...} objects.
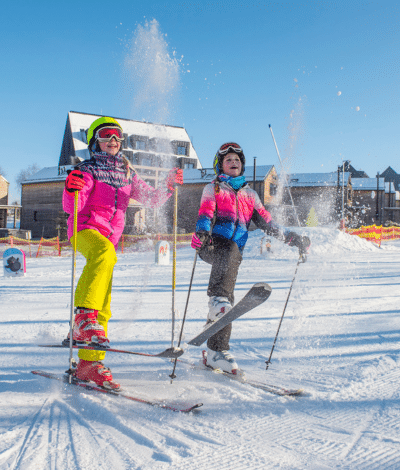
[{"x": 98, "y": 124}]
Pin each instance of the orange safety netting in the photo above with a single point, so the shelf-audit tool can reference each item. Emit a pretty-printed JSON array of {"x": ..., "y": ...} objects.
[
  {"x": 55, "y": 247},
  {"x": 375, "y": 233}
]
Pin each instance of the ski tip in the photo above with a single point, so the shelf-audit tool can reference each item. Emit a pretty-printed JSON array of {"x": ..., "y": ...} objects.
[
  {"x": 195, "y": 407},
  {"x": 178, "y": 351},
  {"x": 172, "y": 352},
  {"x": 263, "y": 285}
]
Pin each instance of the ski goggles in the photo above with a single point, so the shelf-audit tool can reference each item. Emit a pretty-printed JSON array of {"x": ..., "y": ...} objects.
[
  {"x": 105, "y": 134},
  {"x": 230, "y": 147}
]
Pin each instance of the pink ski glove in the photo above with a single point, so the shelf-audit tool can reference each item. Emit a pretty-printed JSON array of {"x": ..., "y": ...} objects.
[
  {"x": 196, "y": 242},
  {"x": 74, "y": 181},
  {"x": 175, "y": 176}
]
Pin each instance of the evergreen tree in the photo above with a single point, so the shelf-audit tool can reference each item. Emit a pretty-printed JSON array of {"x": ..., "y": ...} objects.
[{"x": 312, "y": 219}]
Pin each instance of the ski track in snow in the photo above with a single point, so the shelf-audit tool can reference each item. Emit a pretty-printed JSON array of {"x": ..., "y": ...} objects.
[{"x": 339, "y": 341}]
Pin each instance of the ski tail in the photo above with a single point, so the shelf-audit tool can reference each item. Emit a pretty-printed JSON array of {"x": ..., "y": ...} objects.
[{"x": 166, "y": 404}]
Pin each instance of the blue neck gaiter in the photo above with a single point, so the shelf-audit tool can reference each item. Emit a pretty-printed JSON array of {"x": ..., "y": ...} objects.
[{"x": 234, "y": 182}]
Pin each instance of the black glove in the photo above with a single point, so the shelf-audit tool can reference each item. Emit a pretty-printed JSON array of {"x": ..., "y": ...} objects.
[{"x": 294, "y": 239}]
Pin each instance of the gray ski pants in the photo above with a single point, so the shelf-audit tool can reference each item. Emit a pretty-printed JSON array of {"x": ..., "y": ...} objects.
[{"x": 225, "y": 258}]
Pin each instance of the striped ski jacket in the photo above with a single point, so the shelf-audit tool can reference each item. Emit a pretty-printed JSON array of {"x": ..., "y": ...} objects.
[{"x": 227, "y": 213}]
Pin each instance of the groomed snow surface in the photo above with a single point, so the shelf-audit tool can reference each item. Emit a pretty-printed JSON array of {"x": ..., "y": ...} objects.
[{"x": 339, "y": 341}]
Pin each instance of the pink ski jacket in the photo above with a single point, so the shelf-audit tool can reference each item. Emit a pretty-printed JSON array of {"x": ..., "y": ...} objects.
[{"x": 105, "y": 197}]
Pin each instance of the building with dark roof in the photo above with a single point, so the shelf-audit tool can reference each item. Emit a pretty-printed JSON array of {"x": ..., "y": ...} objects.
[
  {"x": 321, "y": 192},
  {"x": 391, "y": 177}
]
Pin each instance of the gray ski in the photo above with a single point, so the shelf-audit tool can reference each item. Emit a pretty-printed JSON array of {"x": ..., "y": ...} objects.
[{"x": 258, "y": 294}]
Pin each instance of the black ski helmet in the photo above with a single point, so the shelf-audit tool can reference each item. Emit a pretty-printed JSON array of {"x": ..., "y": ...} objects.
[{"x": 229, "y": 147}]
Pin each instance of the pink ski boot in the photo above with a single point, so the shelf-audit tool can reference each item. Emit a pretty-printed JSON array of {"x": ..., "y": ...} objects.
[
  {"x": 87, "y": 328},
  {"x": 95, "y": 371}
]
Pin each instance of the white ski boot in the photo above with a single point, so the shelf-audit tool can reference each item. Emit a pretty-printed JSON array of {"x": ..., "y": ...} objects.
[
  {"x": 218, "y": 306},
  {"x": 223, "y": 360}
]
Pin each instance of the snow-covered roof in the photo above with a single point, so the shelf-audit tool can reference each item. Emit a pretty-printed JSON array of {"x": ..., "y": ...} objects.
[
  {"x": 206, "y": 175},
  {"x": 51, "y": 173},
  {"x": 80, "y": 122},
  {"x": 1, "y": 176},
  {"x": 317, "y": 179},
  {"x": 368, "y": 184}
]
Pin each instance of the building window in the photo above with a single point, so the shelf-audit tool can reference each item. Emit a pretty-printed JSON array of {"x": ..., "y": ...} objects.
[
  {"x": 146, "y": 162},
  {"x": 273, "y": 189},
  {"x": 140, "y": 145},
  {"x": 128, "y": 154},
  {"x": 181, "y": 150},
  {"x": 188, "y": 166},
  {"x": 83, "y": 135}
]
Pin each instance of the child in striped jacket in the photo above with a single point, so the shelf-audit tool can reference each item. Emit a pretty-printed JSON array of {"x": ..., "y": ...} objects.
[{"x": 227, "y": 207}]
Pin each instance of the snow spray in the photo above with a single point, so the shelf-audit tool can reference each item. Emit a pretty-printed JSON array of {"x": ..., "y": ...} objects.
[{"x": 151, "y": 77}]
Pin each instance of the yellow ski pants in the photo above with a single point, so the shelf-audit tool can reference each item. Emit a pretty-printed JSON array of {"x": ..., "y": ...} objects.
[{"x": 94, "y": 286}]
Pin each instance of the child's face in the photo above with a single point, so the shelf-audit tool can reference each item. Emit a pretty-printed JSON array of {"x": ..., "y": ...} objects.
[
  {"x": 111, "y": 147},
  {"x": 231, "y": 165}
]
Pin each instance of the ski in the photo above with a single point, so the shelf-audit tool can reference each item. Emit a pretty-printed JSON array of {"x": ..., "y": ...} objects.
[
  {"x": 241, "y": 377},
  {"x": 258, "y": 294},
  {"x": 169, "y": 352},
  {"x": 183, "y": 408}
]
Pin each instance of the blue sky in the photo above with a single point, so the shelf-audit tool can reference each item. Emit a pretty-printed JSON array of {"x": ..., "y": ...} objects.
[{"x": 324, "y": 74}]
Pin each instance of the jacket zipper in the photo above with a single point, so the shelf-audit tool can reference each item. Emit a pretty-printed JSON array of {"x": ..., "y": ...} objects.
[{"x": 237, "y": 213}]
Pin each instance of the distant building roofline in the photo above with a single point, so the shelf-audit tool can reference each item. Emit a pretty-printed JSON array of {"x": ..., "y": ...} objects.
[{"x": 126, "y": 119}]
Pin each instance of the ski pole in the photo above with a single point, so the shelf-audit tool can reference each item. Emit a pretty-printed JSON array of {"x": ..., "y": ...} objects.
[
  {"x": 174, "y": 263},
  {"x": 173, "y": 376},
  {"x": 71, "y": 320},
  {"x": 284, "y": 309},
  {"x": 287, "y": 185}
]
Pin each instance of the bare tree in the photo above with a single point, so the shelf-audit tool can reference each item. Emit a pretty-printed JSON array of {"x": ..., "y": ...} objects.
[
  {"x": 2, "y": 172},
  {"x": 23, "y": 174}
]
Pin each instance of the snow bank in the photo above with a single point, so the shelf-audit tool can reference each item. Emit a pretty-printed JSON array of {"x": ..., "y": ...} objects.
[{"x": 324, "y": 240}]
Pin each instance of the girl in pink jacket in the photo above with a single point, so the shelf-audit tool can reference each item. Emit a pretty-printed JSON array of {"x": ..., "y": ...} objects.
[{"x": 105, "y": 183}]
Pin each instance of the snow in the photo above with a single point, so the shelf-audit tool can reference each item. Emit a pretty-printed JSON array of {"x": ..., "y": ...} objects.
[{"x": 338, "y": 340}]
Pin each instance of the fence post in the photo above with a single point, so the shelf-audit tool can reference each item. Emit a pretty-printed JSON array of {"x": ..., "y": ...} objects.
[{"x": 38, "y": 250}]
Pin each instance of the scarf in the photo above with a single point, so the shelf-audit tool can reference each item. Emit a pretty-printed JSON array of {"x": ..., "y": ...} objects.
[
  {"x": 234, "y": 182},
  {"x": 108, "y": 169}
]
